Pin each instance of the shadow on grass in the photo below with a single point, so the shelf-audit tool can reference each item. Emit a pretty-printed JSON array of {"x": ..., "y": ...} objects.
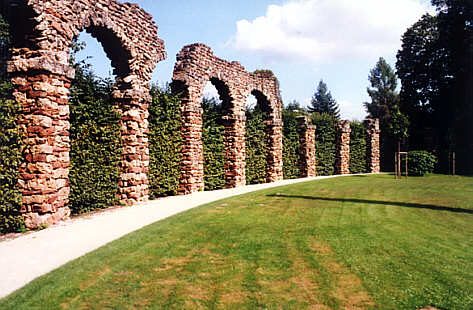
[{"x": 378, "y": 202}]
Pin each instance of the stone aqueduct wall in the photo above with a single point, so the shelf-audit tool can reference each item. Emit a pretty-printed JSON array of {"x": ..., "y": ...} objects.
[
  {"x": 43, "y": 32},
  {"x": 195, "y": 66}
]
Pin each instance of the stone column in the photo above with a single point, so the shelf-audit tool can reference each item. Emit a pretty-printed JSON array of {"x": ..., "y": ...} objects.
[
  {"x": 274, "y": 164},
  {"x": 342, "y": 162},
  {"x": 307, "y": 162},
  {"x": 134, "y": 164},
  {"x": 191, "y": 178},
  {"x": 372, "y": 145},
  {"x": 235, "y": 153},
  {"x": 43, "y": 176}
]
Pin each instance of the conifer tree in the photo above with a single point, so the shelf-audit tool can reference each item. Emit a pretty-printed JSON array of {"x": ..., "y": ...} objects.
[{"x": 323, "y": 102}]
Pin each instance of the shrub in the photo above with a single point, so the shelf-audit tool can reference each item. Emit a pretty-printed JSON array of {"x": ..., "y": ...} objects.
[
  {"x": 358, "y": 148},
  {"x": 291, "y": 145},
  {"x": 420, "y": 163},
  {"x": 165, "y": 142},
  {"x": 11, "y": 219},
  {"x": 256, "y": 147},
  {"x": 95, "y": 144},
  {"x": 212, "y": 140},
  {"x": 326, "y": 139}
]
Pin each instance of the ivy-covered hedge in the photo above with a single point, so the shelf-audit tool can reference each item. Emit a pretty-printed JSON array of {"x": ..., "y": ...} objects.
[
  {"x": 212, "y": 140},
  {"x": 10, "y": 159},
  {"x": 95, "y": 144},
  {"x": 291, "y": 145},
  {"x": 256, "y": 146},
  {"x": 358, "y": 148},
  {"x": 326, "y": 139},
  {"x": 165, "y": 142}
]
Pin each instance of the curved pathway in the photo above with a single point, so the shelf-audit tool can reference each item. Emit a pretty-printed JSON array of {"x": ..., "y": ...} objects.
[{"x": 34, "y": 254}]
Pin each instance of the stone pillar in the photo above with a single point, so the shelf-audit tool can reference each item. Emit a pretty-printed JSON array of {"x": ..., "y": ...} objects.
[
  {"x": 274, "y": 164},
  {"x": 43, "y": 175},
  {"x": 307, "y": 161},
  {"x": 372, "y": 145},
  {"x": 135, "y": 151},
  {"x": 342, "y": 161},
  {"x": 191, "y": 178},
  {"x": 235, "y": 153}
]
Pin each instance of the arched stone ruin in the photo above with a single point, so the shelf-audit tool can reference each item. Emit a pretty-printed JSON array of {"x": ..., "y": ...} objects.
[
  {"x": 43, "y": 32},
  {"x": 195, "y": 66}
]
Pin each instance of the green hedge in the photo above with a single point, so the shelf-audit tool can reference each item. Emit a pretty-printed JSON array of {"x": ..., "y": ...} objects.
[
  {"x": 10, "y": 159},
  {"x": 291, "y": 145},
  {"x": 358, "y": 148},
  {"x": 256, "y": 146},
  {"x": 165, "y": 142},
  {"x": 95, "y": 144},
  {"x": 326, "y": 138},
  {"x": 212, "y": 140}
]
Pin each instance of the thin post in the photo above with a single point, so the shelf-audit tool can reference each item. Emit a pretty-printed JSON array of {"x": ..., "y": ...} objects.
[
  {"x": 395, "y": 165},
  {"x": 407, "y": 159},
  {"x": 454, "y": 162}
]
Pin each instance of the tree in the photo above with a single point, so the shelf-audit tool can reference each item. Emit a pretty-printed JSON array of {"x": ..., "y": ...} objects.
[
  {"x": 436, "y": 69},
  {"x": 385, "y": 106},
  {"x": 323, "y": 102},
  {"x": 383, "y": 93}
]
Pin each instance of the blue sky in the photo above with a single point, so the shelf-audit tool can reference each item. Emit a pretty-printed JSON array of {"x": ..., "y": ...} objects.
[{"x": 301, "y": 41}]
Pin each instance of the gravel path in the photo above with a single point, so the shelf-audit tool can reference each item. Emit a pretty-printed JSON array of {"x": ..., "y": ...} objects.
[{"x": 31, "y": 255}]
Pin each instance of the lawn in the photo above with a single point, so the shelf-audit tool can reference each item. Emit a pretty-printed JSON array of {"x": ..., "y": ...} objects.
[{"x": 360, "y": 242}]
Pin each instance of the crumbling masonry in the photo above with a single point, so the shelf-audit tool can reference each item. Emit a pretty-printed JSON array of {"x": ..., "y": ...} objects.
[
  {"x": 195, "y": 66},
  {"x": 43, "y": 32},
  {"x": 307, "y": 161}
]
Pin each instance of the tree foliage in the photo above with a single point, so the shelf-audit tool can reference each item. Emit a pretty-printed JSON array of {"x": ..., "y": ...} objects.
[
  {"x": 323, "y": 102},
  {"x": 383, "y": 93},
  {"x": 436, "y": 69}
]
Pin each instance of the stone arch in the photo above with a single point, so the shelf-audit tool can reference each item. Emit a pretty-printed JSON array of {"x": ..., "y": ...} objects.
[
  {"x": 41, "y": 75},
  {"x": 195, "y": 65}
]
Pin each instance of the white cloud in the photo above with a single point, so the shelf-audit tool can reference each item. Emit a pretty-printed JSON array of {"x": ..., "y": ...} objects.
[
  {"x": 321, "y": 31},
  {"x": 351, "y": 111}
]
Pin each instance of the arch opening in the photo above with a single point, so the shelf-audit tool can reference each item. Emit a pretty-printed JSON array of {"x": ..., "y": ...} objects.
[
  {"x": 216, "y": 105},
  {"x": 95, "y": 138},
  {"x": 256, "y": 140}
]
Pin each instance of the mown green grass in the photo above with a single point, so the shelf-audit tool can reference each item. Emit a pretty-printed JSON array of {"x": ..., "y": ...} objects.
[{"x": 361, "y": 242}]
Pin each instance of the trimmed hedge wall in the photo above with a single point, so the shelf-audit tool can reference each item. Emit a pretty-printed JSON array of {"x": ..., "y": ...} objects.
[
  {"x": 95, "y": 144},
  {"x": 10, "y": 160},
  {"x": 212, "y": 140},
  {"x": 326, "y": 139},
  {"x": 165, "y": 142},
  {"x": 291, "y": 145},
  {"x": 256, "y": 147},
  {"x": 358, "y": 148}
]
